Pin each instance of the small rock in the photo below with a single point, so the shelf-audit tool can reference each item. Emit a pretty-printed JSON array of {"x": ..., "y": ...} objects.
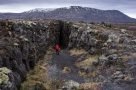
[
  {"x": 118, "y": 75},
  {"x": 25, "y": 39},
  {"x": 5, "y": 70},
  {"x": 66, "y": 70},
  {"x": 16, "y": 44},
  {"x": 113, "y": 57},
  {"x": 123, "y": 30},
  {"x": 103, "y": 58},
  {"x": 128, "y": 78},
  {"x": 69, "y": 85},
  {"x": 113, "y": 38}
]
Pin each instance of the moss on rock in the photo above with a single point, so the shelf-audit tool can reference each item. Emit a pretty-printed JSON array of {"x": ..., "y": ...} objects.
[{"x": 4, "y": 78}]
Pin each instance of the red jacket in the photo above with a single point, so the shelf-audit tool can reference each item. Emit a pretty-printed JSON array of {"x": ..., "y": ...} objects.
[{"x": 57, "y": 47}]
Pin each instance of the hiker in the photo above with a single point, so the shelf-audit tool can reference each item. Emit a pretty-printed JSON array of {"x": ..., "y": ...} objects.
[{"x": 57, "y": 49}]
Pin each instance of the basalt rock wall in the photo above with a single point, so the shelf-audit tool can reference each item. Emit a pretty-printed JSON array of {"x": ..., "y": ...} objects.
[
  {"x": 22, "y": 44},
  {"x": 116, "y": 50}
]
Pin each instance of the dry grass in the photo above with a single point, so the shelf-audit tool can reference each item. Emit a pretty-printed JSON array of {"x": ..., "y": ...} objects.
[
  {"x": 39, "y": 76},
  {"x": 127, "y": 57},
  {"x": 81, "y": 52},
  {"x": 88, "y": 61},
  {"x": 76, "y": 52},
  {"x": 90, "y": 86},
  {"x": 85, "y": 62},
  {"x": 66, "y": 70}
]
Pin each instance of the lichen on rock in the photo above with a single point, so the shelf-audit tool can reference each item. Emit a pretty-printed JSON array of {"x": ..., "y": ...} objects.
[{"x": 4, "y": 78}]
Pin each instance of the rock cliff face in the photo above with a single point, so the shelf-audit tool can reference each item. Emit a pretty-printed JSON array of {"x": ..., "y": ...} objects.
[
  {"x": 114, "y": 68},
  {"x": 22, "y": 43}
]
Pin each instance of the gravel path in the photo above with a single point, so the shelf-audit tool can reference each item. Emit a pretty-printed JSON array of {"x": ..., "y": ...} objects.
[{"x": 65, "y": 60}]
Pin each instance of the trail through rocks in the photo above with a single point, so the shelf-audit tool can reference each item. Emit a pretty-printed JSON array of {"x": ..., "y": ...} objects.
[
  {"x": 65, "y": 62},
  {"x": 53, "y": 70}
]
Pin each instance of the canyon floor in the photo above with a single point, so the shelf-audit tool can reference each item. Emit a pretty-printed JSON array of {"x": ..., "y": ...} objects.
[{"x": 54, "y": 70}]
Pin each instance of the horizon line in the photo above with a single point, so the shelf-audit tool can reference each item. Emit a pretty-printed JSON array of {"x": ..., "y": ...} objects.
[{"x": 65, "y": 7}]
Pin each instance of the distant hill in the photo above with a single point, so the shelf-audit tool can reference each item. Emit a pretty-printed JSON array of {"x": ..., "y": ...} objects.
[{"x": 73, "y": 13}]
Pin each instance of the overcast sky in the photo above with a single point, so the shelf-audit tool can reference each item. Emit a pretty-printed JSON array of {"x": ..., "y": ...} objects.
[{"x": 126, "y": 6}]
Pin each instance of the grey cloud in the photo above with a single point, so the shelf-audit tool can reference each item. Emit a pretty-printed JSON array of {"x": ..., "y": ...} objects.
[
  {"x": 109, "y": 3},
  {"x": 68, "y": 1},
  {"x": 82, "y": 2}
]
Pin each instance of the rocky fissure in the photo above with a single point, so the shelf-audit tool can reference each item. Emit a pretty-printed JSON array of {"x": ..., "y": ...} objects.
[
  {"x": 23, "y": 43},
  {"x": 105, "y": 56}
]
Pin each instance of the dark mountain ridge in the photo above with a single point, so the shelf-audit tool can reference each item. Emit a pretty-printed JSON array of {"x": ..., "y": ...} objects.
[{"x": 73, "y": 13}]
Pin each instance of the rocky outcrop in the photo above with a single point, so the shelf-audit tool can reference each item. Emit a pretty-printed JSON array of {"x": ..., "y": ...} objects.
[
  {"x": 116, "y": 49},
  {"x": 22, "y": 43},
  {"x": 83, "y": 36}
]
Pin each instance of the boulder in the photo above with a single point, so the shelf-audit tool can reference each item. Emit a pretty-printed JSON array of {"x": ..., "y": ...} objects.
[
  {"x": 6, "y": 81},
  {"x": 70, "y": 85}
]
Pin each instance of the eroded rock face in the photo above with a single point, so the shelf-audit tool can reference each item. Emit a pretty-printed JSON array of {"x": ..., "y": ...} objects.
[
  {"x": 84, "y": 37},
  {"x": 115, "y": 65},
  {"x": 22, "y": 43}
]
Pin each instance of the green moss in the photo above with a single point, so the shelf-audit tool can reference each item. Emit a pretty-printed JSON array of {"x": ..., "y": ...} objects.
[
  {"x": 4, "y": 75},
  {"x": 5, "y": 70}
]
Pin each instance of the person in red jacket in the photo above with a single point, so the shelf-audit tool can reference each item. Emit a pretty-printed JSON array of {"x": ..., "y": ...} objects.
[{"x": 57, "y": 49}]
